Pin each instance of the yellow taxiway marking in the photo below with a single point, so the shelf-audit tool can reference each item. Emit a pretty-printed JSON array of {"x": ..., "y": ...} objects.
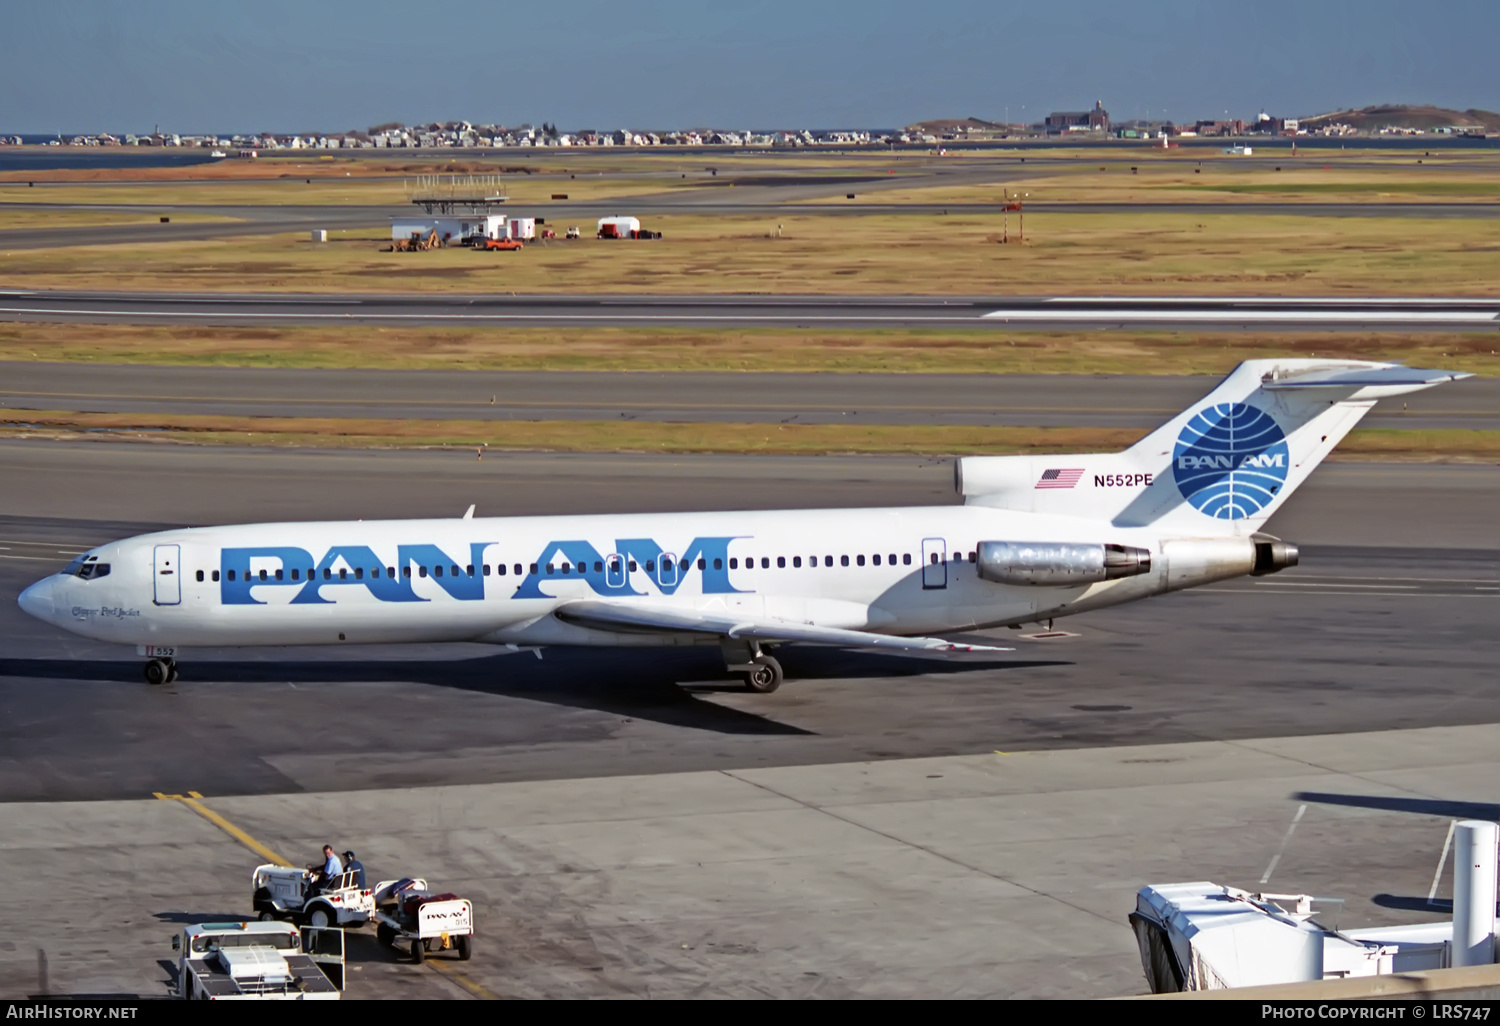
[
  {"x": 463, "y": 981},
  {"x": 191, "y": 800}
]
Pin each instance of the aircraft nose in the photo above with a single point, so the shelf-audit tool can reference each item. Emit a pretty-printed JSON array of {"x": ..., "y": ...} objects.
[{"x": 37, "y": 600}]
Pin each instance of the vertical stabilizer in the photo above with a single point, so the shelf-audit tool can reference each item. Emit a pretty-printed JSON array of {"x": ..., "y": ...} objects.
[{"x": 1221, "y": 467}]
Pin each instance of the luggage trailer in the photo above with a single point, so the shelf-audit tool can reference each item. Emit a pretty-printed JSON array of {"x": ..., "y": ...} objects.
[{"x": 408, "y": 913}]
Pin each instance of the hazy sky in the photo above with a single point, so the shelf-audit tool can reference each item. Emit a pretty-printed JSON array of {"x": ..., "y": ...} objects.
[{"x": 301, "y": 65}]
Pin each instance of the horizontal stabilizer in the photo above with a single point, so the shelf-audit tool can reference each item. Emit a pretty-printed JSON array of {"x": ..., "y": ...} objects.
[
  {"x": 615, "y": 616},
  {"x": 1365, "y": 377}
]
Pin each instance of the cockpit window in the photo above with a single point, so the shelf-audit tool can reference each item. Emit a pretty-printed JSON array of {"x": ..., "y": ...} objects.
[{"x": 86, "y": 567}]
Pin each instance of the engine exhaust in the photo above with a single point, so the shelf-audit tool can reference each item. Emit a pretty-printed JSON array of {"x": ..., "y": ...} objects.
[{"x": 1272, "y": 555}]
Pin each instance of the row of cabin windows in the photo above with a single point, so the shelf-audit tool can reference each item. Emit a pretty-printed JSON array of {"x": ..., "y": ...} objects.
[{"x": 454, "y": 570}]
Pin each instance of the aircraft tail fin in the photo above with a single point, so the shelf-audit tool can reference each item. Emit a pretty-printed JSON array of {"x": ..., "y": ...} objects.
[{"x": 1221, "y": 467}]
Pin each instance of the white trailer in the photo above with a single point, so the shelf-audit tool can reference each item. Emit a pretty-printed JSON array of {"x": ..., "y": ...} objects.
[
  {"x": 619, "y": 227},
  {"x": 459, "y": 230},
  {"x": 523, "y": 228},
  {"x": 403, "y": 228},
  {"x": 490, "y": 226}
]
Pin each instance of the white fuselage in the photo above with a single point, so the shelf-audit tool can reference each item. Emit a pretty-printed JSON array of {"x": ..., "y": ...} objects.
[
  {"x": 1054, "y": 535},
  {"x": 899, "y": 571}
]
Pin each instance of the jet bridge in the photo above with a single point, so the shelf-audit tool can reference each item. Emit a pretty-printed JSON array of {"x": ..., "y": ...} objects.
[{"x": 1205, "y": 936}]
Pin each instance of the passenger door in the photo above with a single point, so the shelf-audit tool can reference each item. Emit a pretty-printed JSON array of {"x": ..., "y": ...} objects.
[
  {"x": 934, "y": 563},
  {"x": 168, "y": 576}
]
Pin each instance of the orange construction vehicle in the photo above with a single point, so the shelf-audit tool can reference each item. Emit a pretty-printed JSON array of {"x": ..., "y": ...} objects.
[{"x": 417, "y": 243}]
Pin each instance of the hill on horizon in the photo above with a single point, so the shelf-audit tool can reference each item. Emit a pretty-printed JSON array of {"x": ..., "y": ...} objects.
[
  {"x": 1397, "y": 115},
  {"x": 941, "y": 125}
]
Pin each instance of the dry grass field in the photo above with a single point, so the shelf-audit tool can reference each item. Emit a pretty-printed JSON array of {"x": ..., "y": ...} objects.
[
  {"x": 403, "y": 164},
  {"x": 973, "y": 351},
  {"x": 1219, "y": 180},
  {"x": 869, "y": 255},
  {"x": 644, "y": 436}
]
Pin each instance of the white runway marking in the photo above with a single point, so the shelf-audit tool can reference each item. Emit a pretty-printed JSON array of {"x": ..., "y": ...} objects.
[
  {"x": 1252, "y": 316},
  {"x": 1437, "y": 874},
  {"x": 1278, "y": 300},
  {"x": 1371, "y": 594},
  {"x": 1330, "y": 584},
  {"x": 1301, "y": 811}
]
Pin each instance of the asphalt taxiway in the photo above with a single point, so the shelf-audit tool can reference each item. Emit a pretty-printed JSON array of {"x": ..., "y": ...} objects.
[
  {"x": 1399, "y": 582},
  {"x": 781, "y": 311},
  {"x": 1024, "y": 400}
]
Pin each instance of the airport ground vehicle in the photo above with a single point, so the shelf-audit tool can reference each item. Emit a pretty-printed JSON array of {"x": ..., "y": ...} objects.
[
  {"x": 257, "y": 961},
  {"x": 418, "y": 242},
  {"x": 286, "y": 892},
  {"x": 407, "y": 912},
  {"x": 573, "y": 232},
  {"x": 504, "y": 244}
]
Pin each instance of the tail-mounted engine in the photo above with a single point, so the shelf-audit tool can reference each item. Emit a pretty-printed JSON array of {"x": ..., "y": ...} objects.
[
  {"x": 1272, "y": 554},
  {"x": 1059, "y": 564}
]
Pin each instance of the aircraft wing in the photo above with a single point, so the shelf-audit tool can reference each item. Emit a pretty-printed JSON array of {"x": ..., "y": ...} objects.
[{"x": 637, "y": 617}]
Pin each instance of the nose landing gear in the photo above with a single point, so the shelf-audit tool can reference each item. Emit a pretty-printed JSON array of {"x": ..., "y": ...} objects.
[
  {"x": 761, "y": 671},
  {"x": 161, "y": 671}
]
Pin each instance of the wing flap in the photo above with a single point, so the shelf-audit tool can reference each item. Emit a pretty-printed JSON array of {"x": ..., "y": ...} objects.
[{"x": 616, "y": 616}]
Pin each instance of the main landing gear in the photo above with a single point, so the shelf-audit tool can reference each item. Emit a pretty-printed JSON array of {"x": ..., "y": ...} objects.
[
  {"x": 161, "y": 671},
  {"x": 761, "y": 671}
]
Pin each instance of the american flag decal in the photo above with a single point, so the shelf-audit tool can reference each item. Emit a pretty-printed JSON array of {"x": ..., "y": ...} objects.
[{"x": 1064, "y": 478}]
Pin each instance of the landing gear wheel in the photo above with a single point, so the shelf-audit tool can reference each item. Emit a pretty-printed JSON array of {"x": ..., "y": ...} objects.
[
  {"x": 764, "y": 675},
  {"x": 418, "y": 952},
  {"x": 465, "y": 947},
  {"x": 172, "y": 672},
  {"x": 158, "y": 671}
]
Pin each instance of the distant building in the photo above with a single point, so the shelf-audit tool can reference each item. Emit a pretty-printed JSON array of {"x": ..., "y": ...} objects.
[
  {"x": 1235, "y": 127},
  {"x": 1096, "y": 120}
]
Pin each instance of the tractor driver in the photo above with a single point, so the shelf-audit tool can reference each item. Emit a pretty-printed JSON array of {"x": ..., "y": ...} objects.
[{"x": 328, "y": 871}]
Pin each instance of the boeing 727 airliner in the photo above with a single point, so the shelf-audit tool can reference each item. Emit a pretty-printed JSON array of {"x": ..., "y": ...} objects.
[{"x": 1037, "y": 537}]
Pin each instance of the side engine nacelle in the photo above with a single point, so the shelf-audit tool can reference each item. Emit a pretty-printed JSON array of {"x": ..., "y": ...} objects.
[
  {"x": 1059, "y": 564},
  {"x": 1185, "y": 562}
]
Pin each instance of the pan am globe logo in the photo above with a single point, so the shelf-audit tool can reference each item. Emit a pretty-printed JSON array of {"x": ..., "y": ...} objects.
[{"x": 1230, "y": 461}]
